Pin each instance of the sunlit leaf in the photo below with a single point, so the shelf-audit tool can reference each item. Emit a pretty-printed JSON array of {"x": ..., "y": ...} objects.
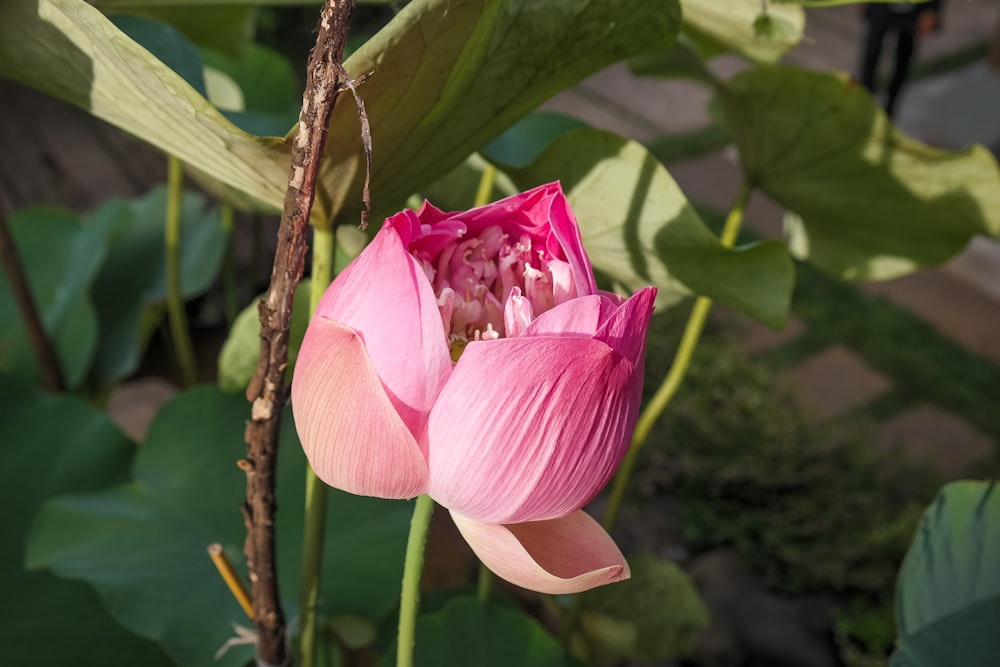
[
  {"x": 873, "y": 203},
  {"x": 142, "y": 544},
  {"x": 733, "y": 25},
  {"x": 68, "y": 49},
  {"x": 639, "y": 229},
  {"x": 449, "y": 77},
  {"x": 56, "y": 444},
  {"x": 948, "y": 592}
]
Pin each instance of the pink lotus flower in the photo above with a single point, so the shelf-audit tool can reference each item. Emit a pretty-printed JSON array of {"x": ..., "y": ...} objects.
[{"x": 530, "y": 422}]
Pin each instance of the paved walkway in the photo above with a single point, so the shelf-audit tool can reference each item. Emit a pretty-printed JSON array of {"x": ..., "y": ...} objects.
[{"x": 961, "y": 300}]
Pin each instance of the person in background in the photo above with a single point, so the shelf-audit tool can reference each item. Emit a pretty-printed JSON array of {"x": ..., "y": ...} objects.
[{"x": 911, "y": 21}]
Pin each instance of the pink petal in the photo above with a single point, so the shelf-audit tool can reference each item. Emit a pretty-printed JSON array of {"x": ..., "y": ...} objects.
[
  {"x": 385, "y": 296},
  {"x": 577, "y": 317},
  {"x": 625, "y": 331},
  {"x": 567, "y": 231},
  {"x": 350, "y": 431},
  {"x": 530, "y": 428},
  {"x": 566, "y": 555}
]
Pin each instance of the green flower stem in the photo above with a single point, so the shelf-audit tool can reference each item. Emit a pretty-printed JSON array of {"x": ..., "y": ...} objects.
[
  {"x": 413, "y": 565},
  {"x": 485, "y": 584},
  {"x": 229, "y": 265},
  {"x": 324, "y": 243},
  {"x": 175, "y": 302},
  {"x": 485, "y": 189},
  {"x": 660, "y": 400}
]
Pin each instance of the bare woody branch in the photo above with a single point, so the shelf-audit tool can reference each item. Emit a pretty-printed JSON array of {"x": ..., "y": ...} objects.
[{"x": 267, "y": 391}]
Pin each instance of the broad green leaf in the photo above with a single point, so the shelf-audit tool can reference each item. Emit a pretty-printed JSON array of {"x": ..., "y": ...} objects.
[
  {"x": 132, "y": 281},
  {"x": 655, "y": 614},
  {"x": 167, "y": 44},
  {"x": 729, "y": 25},
  {"x": 873, "y": 203},
  {"x": 68, "y": 49},
  {"x": 469, "y": 632},
  {"x": 54, "y": 444},
  {"x": 142, "y": 544},
  {"x": 639, "y": 229},
  {"x": 271, "y": 95},
  {"x": 449, "y": 77},
  {"x": 60, "y": 256},
  {"x": 948, "y": 592},
  {"x": 241, "y": 351}
]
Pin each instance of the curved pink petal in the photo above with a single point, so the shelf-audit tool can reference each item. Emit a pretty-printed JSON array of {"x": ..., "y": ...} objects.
[
  {"x": 625, "y": 331},
  {"x": 385, "y": 296},
  {"x": 566, "y": 555},
  {"x": 350, "y": 431},
  {"x": 577, "y": 317},
  {"x": 530, "y": 428},
  {"x": 567, "y": 231}
]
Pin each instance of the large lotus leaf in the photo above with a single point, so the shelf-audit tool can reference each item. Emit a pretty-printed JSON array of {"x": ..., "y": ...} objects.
[
  {"x": 133, "y": 278},
  {"x": 948, "y": 592},
  {"x": 469, "y": 632},
  {"x": 241, "y": 351},
  {"x": 60, "y": 257},
  {"x": 655, "y": 614},
  {"x": 142, "y": 545},
  {"x": 874, "y": 203},
  {"x": 738, "y": 25},
  {"x": 639, "y": 229},
  {"x": 55, "y": 444},
  {"x": 68, "y": 49},
  {"x": 451, "y": 76},
  {"x": 448, "y": 77}
]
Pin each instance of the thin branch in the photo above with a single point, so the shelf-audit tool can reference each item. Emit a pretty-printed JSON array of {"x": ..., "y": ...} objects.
[
  {"x": 48, "y": 362},
  {"x": 267, "y": 391}
]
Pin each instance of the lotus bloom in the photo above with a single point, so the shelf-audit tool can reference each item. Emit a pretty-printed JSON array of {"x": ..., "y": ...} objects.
[{"x": 470, "y": 356}]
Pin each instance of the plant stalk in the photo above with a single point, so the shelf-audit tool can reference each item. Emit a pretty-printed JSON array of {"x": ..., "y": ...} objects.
[
  {"x": 179, "y": 331},
  {"x": 45, "y": 351},
  {"x": 678, "y": 369},
  {"x": 315, "y": 508},
  {"x": 413, "y": 566}
]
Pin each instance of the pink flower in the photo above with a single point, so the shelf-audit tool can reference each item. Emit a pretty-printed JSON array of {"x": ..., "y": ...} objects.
[{"x": 527, "y": 426}]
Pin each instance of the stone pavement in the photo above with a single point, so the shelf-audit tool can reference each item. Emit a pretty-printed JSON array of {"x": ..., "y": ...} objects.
[{"x": 961, "y": 300}]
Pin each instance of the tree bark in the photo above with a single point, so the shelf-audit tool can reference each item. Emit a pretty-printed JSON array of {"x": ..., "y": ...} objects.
[{"x": 267, "y": 391}]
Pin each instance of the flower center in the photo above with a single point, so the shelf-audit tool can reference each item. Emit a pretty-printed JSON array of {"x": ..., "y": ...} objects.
[{"x": 490, "y": 285}]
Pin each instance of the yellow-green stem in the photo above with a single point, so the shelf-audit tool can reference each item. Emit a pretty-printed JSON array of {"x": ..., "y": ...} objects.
[
  {"x": 229, "y": 265},
  {"x": 175, "y": 301},
  {"x": 678, "y": 369},
  {"x": 484, "y": 584},
  {"x": 485, "y": 190},
  {"x": 324, "y": 243},
  {"x": 413, "y": 566}
]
